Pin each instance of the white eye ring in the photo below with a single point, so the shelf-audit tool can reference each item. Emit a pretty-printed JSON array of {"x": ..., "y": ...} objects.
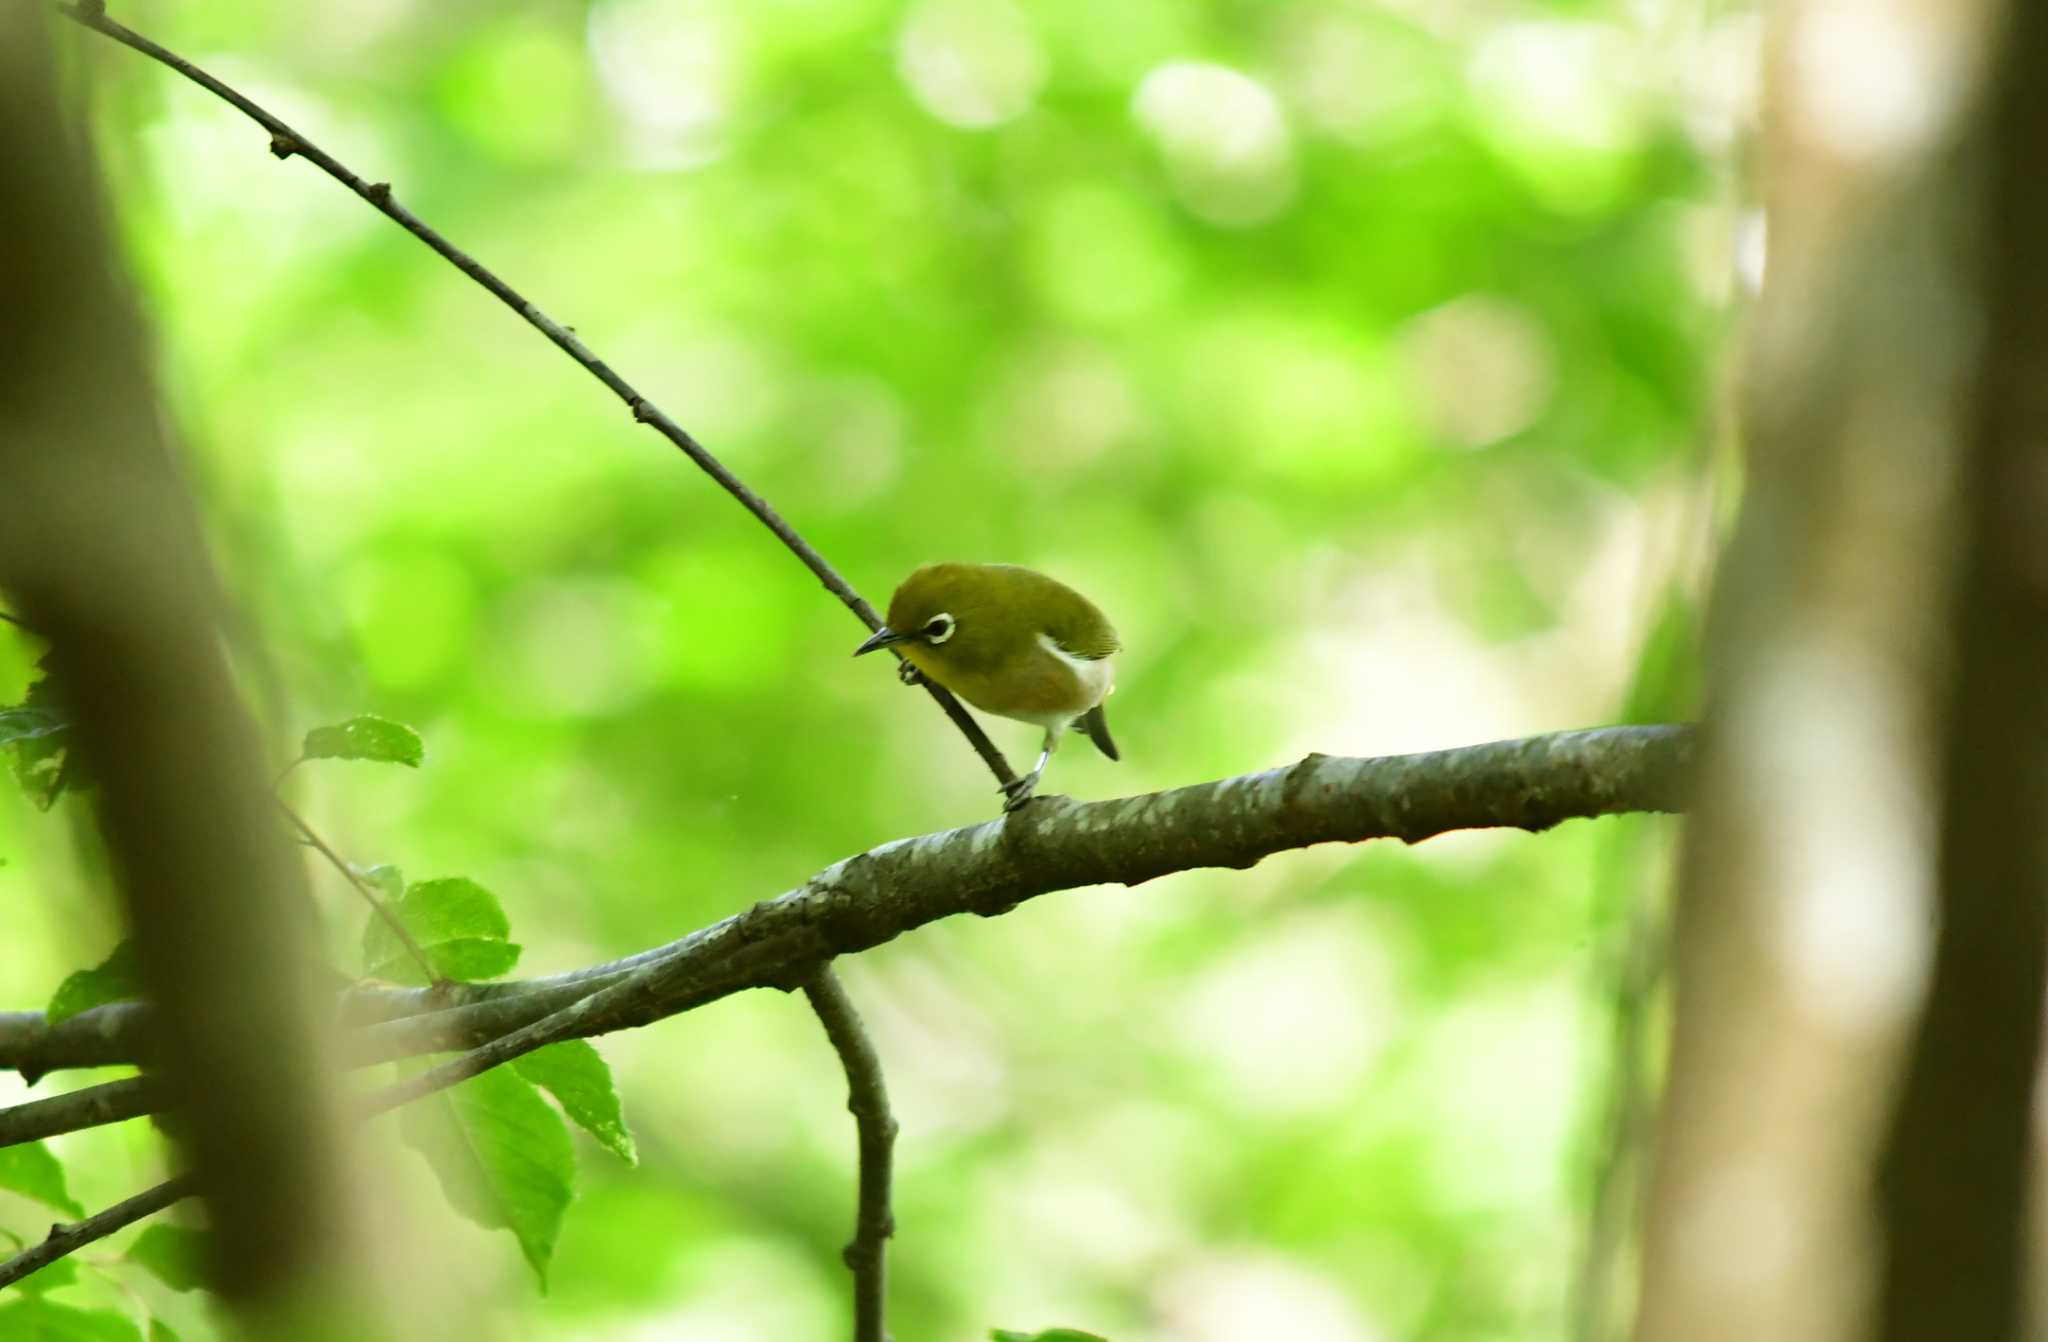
[{"x": 938, "y": 629}]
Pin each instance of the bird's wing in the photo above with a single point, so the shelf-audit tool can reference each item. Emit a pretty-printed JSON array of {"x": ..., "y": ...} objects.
[{"x": 1072, "y": 621}]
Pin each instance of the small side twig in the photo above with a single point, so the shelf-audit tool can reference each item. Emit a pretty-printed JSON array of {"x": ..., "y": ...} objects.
[
  {"x": 868, "y": 1101},
  {"x": 362, "y": 888},
  {"x": 64, "y": 1239}
]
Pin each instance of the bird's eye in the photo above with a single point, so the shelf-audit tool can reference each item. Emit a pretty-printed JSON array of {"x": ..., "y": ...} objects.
[{"x": 939, "y": 628}]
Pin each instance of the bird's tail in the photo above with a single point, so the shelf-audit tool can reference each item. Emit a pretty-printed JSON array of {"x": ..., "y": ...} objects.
[{"x": 1096, "y": 728}]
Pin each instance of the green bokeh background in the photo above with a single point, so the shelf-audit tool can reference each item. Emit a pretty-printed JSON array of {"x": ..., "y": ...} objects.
[{"x": 1356, "y": 358}]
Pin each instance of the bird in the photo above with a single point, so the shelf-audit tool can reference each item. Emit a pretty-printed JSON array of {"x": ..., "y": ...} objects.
[{"x": 1011, "y": 641}]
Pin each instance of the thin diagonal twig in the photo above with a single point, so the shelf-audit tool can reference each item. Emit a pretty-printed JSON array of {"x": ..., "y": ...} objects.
[
  {"x": 285, "y": 142},
  {"x": 868, "y": 1101},
  {"x": 362, "y": 888},
  {"x": 66, "y": 1238}
]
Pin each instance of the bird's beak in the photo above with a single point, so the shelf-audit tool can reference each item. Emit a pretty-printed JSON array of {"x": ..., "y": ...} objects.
[{"x": 881, "y": 638}]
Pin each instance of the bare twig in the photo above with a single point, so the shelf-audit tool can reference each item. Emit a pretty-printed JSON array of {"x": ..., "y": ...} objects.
[
  {"x": 64, "y": 1239},
  {"x": 868, "y": 1101},
  {"x": 362, "y": 888},
  {"x": 286, "y": 142}
]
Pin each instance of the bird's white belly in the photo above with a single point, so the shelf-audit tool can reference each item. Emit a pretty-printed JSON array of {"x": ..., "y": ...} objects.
[{"x": 1094, "y": 678}]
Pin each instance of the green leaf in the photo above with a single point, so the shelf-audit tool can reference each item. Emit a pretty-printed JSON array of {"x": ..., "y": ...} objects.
[
  {"x": 32, "y": 1171},
  {"x": 366, "y": 738},
  {"x": 35, "y": 1319},
  {"x": 1049, "y": 1335},
  {"x": 159, "y": 1331},
  {"x": 385, "y": 878},
  {"x": 469, "y": 958},
  {"x": 175, "y": 1256},
  {"x": 50, "y": 1277},
  {"x": 27, "y": 722},
  {"x": 574, "y": 1072},
  {"x": 459, "y": 924},
  {"x": 503, "y": 1156},
  {"x": 113, "y": 979},
  {"x": 39, "y": 734}
]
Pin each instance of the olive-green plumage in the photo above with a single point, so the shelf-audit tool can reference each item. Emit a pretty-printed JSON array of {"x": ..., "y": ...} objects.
[{"x": 1010, "y": 641}]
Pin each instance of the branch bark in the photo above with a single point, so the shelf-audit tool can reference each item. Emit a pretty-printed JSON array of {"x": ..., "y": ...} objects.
[
  {"x": 69, "y": 1238},
  {"x": 1051, "y": 845},
  {"x": 868, "y": 1101}
]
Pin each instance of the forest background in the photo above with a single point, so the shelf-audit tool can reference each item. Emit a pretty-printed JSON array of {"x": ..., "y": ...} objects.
[{"x": 1359, "y": 360}]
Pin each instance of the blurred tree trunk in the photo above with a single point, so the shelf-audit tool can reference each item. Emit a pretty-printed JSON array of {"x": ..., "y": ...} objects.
[
  {"x": 1955, "y": 1171},
  {"x": 1877, "y": 734},
  {"x": 101, "y": 549}
]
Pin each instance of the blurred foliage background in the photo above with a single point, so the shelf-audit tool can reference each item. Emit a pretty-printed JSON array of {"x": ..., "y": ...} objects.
[{"x": 1358, "y": 358}]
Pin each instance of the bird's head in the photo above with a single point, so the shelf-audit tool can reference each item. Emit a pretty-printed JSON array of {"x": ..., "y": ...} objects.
[{"x": 948, "y": 614}]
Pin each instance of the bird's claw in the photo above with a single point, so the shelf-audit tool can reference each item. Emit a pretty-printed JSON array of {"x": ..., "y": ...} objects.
[
  {"x": 908, "y": 673},
  {"x": 1017, "y": 791}
]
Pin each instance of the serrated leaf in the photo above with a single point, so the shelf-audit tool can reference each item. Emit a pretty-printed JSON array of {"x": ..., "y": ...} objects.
[
  {"x": 34, "y": 1319},
  {"x": 459, "y": 924},
  {"x": 1049, "y": 1335},
  {"x": 469, "y": 958},
  {"x": 385, "y": 878},
  {"x": 113, "y": 979},
  {"x": 38, "y": 732},
  {"x": 27, "y": 722},
  {"x": 31, "y": 1170},
  {"x": 177, "y": 1257},
  {"x": 503, "y": 1156},
  {"x": 576, "y": 1074},
  {"x": 366, "y": 738}
]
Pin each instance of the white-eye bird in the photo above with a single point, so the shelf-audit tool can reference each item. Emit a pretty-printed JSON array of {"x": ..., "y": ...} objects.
[{"x": 1012, "y": 642}]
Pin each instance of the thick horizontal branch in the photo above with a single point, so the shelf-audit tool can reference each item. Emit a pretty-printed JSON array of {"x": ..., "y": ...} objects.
[
  {"x": 1059, "y": 844},
  {"x": 92, "y": 1107},
  {"x": 1053, "y": 844},
  {"x": 388, "y": 1022}
]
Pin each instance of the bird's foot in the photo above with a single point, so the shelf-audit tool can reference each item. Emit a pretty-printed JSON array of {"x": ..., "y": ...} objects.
[
  {"x": 1018, "y": 791},
  {"x": 908, "y": 673}
]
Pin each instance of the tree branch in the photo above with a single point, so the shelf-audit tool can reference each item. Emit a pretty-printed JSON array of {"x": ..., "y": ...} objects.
[
  {"x": 362, "y": 887},
  {"x": 1058, "y": 844},
  {"x": 868, "y": 1101},
  {"x": 285, "y": 142},
  {"x": 64, "y": 1239},
  {"x": 1053, "y": 844},
  {"x": 91, "y": 1107},
  {"x": 1530, "y": 783}
]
